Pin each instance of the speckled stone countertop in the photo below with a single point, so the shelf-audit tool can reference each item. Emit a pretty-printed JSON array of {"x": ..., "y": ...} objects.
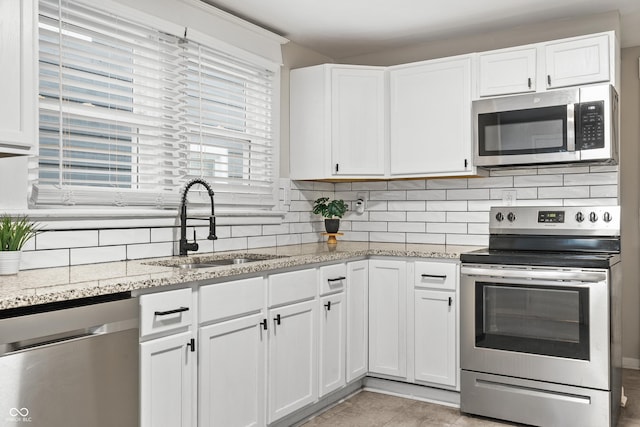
[{"x": 47, "y": 285}]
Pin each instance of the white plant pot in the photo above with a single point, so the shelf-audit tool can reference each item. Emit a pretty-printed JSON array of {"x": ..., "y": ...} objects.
[{"x": 9, "y": 262}]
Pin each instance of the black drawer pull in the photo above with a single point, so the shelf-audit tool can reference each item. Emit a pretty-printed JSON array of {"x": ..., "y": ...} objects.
[
  {"x": 336, "y": 279},
  {"x": 264, "y": 324},
  {"x": 434, "y": 276},
  {"x": 277, "y": 319},
  {"x": 450, "y": 301},
  {"x": 328, "y": 305},
  {"x": 166, "y": 313}
]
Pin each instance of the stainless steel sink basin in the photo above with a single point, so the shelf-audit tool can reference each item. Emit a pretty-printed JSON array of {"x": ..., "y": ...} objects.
[{"x": 220, "y": 262}]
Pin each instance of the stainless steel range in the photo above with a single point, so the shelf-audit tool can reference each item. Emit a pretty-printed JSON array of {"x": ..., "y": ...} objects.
[{"x": 540, "y": 318}]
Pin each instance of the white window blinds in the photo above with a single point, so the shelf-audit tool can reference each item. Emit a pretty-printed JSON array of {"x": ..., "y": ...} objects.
[{"x": 128, "y": 114}]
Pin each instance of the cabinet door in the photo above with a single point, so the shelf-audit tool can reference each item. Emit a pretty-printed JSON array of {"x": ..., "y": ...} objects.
[
  {"x": 232, "y": 373},
  {"x": 332, "y": 343},
  {"x": 435, "y": 337},
  {"x": 293, "y": 360},
  {"x": 357, "y": 319},
  {"x": 18, "y": 80},
  {"x": 357, "y": 121},
  {"x": 578, "y": 62},
  {"x": 505, "y": 72},
  {"x": 166, "y": 372},
  {"x": 430, "y": 118},
  {"x": 387, "y": 318}
]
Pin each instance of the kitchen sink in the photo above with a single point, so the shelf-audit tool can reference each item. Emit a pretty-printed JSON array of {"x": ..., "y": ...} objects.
[{"x": 208, "y": 262}]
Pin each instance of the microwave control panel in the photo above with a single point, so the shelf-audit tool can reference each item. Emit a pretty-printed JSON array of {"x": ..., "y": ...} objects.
[{"x": 590, "y": 125}]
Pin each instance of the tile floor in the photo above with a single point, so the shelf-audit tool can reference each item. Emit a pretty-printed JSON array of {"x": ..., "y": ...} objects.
[{"x": 368, "y": 409}]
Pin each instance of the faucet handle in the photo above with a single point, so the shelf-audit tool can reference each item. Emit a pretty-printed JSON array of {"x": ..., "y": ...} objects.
[
  {"x": 212, "y": 228},
  {"x": 194, "y": 245}
]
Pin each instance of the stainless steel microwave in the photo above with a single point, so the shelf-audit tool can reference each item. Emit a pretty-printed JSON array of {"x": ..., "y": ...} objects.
[{"x": 561, "y": 126}]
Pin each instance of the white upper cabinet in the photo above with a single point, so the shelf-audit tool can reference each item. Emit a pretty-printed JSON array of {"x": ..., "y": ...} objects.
[
  {"x": 549, "y": 65},
  {"x": 578, "y": 61},
  {"x": 507, "y": 71},
  {"x": 337, "y": 122},
  {"x": 430, "y": 118},
  {"x": 18, "y": 79}
]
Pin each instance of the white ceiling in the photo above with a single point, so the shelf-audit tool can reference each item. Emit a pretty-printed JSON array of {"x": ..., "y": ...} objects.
[{"x": 343, "y": 28}]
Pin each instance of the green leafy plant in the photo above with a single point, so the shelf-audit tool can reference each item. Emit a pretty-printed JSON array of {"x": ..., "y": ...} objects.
[
  {"x": 329, "y": 209},
  {"x": 14, "y": 233}
]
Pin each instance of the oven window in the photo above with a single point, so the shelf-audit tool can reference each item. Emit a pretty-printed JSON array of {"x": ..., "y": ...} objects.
[
  {"x": 552, "y": 321},
  {"x": 538, "y": 130}
]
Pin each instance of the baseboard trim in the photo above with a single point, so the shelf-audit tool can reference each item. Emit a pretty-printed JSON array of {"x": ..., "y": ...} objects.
[
  {"x": 413, "y": 391},
  {"x": 631, "y": 363}
]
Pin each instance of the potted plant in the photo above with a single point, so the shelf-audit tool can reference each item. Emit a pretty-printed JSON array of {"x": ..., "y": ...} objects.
[
  {"x": 14, "y": 233},
  {"x": 332, "y": 211}
]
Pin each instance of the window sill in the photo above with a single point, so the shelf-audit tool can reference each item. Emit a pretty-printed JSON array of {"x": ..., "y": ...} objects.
[{"x": 83, "y": 218}]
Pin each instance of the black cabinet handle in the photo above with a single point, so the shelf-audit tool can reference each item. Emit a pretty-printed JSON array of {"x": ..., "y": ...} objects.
[
  {"x": 548, "y": 79},
  {"x": 277, "y": 319},
  {"x": 166, "y": 313},
  {"x": 529, "y": 82},
  {"x": 336, "y": 279},
  {"x": 264, "y": 324},
  {"x": 450, "y": 301},
  {"x": 328, "y": 305},
  {"x": 434, "y": 276},
  {"x": 192, "y": 344}
]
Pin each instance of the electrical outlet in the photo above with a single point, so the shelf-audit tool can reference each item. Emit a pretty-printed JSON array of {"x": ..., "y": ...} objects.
[{"x": 509, "y": 197}]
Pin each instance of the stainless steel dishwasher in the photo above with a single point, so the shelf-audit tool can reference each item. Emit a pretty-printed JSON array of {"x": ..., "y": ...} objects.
[{"x": 70, "y": 364}]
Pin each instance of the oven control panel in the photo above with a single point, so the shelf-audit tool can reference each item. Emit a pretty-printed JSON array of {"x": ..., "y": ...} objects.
[{"x": 591, "y": 220}]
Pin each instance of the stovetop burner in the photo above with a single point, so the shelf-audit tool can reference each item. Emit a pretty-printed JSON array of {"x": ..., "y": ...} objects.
[{"x": 581, "y": 237}]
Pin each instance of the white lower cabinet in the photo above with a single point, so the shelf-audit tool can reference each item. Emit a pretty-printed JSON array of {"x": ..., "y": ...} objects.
[
  {"x": 332, "y": 343},
  {"x": 435, "y": 337},
  {"x": 357, "y": 319},
  {"x": 388, "y": 318},
  {"x": 166, "y": 375},
  {"x": 293, "y": 361},
  {"x": 232, "y": 373}
]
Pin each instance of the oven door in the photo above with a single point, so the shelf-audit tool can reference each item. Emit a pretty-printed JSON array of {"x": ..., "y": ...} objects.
[{"x": 547, "y": 324}]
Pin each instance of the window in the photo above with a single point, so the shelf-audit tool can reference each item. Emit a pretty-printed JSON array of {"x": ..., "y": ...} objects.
[{"x": 129, "y": 113}]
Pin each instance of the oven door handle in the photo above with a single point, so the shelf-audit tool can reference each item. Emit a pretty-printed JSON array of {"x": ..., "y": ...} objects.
[{"x": 553, "y": 275}]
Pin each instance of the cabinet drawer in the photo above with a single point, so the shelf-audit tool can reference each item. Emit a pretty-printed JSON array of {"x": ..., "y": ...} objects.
[
  {"x": 436, "y": 275},
  {"x": 165, "y": 311},
  {"x": 290, "y": 287},
  {"x": 231, "y": 299},
  {"x": 333, "y": 278}
]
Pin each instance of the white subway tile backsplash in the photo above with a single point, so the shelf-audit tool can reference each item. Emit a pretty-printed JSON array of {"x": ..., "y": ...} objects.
[
  {"x": 246, "y": 230},
  {"x": 387, "y": 237},
  {"x": 468, "y": 216},
  {"x": 440, "y": 184},
  {"x": 513, "y": 171},
  {"x": 427, "y": 195},
  {"x": 343, "y": 186},
  {"x": 563, "y": 169},
  {"x": 97, "y": 254},
  {"x": 537, "y": 181},
  {"x": 369, "y": 226},
  {"x": 388, "y": 216},
  {"x": 44, "y": 259},
  {"x": 300, "y": 227},
  {"x": 407, "y": 227},
  {"x": 427, "y": 216},
  {"x": 446, "y": 227},
  {"x": 412, "y": 184},
  {"x": 232, "y": 244},
  {"x": 368, "y": 185},
  {"x": 301, "y": 205},
  {"x": 482, "y": 205},
  {"x": 164, "y": 234},
  {"x": 477, "y": 194},
  {"x": 592, "y": 202},
  {"x": 275, "y": 229},
  {"x": 288, "y": 239},
  {"x": 446, "y": 206},
  {"x": 377, "y": 205},
  {"x": 435, "y": 239},
  {"x": 491, "y": 182},
  {"x": 311, "y": 237},
  {"x": 604, "y": 178},
  {"x": 599, "y": 191},
  {"x": 521, "y": 193},
  {"x": 150, "y": 250},
  {"x": 66, "y": 239},
  {"x": 478, "y": 228},
  {"x": 468, "y": 239},
  {"x": 120, "y": 236},
  {"x": 604, "y": 168},
  {"x": 356, "y": 236},
  {"x": 406, "y": 205},
  {"x": 262, "y": 242},
  {"x": 388, "y": 195},
  {"x": 563, "y": 192}
]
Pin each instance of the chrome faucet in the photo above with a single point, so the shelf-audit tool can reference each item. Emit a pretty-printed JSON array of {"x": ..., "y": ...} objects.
[{"x": 184, "y": 245}]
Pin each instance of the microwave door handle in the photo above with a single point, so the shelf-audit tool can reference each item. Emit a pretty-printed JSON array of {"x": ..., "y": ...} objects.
[{"x": 571, "y": 128}]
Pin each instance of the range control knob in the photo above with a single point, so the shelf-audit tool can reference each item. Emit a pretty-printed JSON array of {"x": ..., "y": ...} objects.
[
  {"x": 607, "y": 217},
  {"x": 579, "y": 217},
  {"x": 511, "y": 216},
  {"x": 593, "y": 217},
  {"x": 499, "y": 217}
]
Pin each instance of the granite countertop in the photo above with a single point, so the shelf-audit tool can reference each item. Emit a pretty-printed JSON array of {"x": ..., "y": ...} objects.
[{"x": 47, "y": 285}]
